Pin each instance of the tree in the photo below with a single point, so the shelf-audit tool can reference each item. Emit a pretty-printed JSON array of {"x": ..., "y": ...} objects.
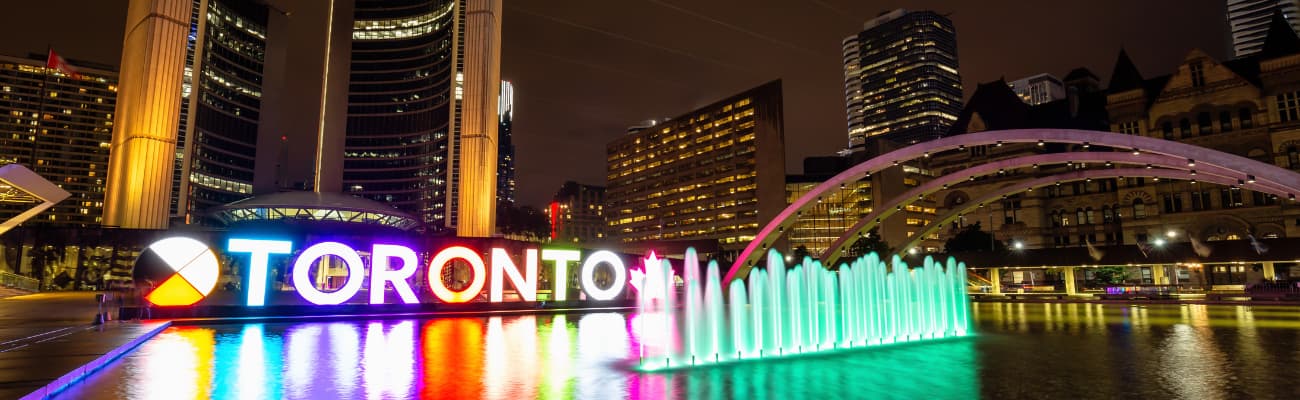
[
  {"x": 971, "y": 239},
  {"x": 522, "y": 220},
  {"x": 1109, "y": 275},
  {"x": 871, "y": 242}
]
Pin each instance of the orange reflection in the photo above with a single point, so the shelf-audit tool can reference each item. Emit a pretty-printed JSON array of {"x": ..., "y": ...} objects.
[
  {"x": 452, "y": 358},
  {"x": 180, "y": 366}
]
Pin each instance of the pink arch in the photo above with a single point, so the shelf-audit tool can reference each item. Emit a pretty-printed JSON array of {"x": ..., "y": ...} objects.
[
  {"x": 1066, "y": 177},
  {"x": 887, "y": 209},
  {"x": 1263, "y": 172}
]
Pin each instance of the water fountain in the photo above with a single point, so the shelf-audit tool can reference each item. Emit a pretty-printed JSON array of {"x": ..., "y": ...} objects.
[{"x": 781, "y": 311}]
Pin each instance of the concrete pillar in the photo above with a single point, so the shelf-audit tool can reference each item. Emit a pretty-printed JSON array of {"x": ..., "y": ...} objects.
[
  {"x": 1158, "y": 275},
  {"x": 478, "y": 147},
  {"x": 1270, "y": 274},
  {"x": 142, "y": 154},
  {"x": 995, "y": 276},
  {"x": 1069, "y": 281}
]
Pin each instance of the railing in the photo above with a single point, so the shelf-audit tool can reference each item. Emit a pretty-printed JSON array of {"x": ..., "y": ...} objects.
[
  {"x": 1274, "y": 288},
  {"x": 1139, "y": 290},
  {"x": 16, "y": 281}
]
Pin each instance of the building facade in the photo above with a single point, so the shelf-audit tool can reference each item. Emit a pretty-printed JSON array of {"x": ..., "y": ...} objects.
[
  {"x": 900, "y": 78},
  {"x": 220, "y": 109},
  {"x": 59, "y": 126},
  {"x": 399, "y": 100},
  {"x": 1245, "y": 106},
  {"x": 835, "y": 213},
  {"x": 1248, "y": 21},
  {"x": 577, "y": 213},
  {"x": 1038, "y": 89},
  {"x": 1024, "y": 217},
  {"x": 714, "y": 173},
  {"x": 379, "y": 111}
]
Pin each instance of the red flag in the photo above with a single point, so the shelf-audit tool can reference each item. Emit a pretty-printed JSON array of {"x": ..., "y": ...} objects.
[{"x": 58, "y": 63}]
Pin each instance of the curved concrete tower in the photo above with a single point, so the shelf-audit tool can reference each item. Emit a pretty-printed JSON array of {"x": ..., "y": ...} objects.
[
  {"x": 143, "y": 150},
  {"x": 478, "y": 147}
]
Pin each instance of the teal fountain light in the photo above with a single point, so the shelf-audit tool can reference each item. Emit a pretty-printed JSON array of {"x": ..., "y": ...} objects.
[{"x": 780, "y": 312}]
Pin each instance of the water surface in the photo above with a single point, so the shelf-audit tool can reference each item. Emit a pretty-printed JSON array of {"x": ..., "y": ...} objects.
[{"x": 1020, "y": 351}]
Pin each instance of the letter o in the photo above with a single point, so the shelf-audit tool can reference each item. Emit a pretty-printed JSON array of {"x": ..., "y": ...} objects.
[
  {"x": 589, "y": 272},
  {"x": 440, "y": 261},
  {"x": 302, "y": 269}
]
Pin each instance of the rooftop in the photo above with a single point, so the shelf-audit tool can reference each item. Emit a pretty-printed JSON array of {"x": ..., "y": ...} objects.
[{"x": 312, "y": 206}]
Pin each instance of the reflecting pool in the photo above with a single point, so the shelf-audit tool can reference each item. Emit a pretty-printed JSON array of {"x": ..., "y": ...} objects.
[{"x": 1020, "y": 351}]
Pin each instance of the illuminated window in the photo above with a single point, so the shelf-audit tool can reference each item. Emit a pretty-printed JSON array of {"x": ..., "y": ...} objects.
[
  {"x": 400, "y": 28},
  {"x": 1288, "y": 106},
  {"x": 1130, "y": 127}
]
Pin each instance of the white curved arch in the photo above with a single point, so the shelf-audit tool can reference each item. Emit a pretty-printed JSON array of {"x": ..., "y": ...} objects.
[
  {"x": 1262, "y": 172},
  {"x": 887, "y": 209}
]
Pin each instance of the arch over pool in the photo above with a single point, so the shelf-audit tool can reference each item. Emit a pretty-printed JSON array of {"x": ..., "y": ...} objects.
[
  {"x": 1066, "y": 177},
  {"x": 940, "y": 183},
  {"x": 1262, "y": 173}
]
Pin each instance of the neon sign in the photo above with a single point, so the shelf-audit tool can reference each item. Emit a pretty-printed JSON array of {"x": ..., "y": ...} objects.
[{"x": 395, "y": 265}]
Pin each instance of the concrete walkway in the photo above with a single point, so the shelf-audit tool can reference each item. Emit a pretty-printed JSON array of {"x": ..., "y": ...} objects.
[
  {"x": 47, "y": 340},
  {"x": 38, "y": 316},
  {"x": 37, "y": 370}
]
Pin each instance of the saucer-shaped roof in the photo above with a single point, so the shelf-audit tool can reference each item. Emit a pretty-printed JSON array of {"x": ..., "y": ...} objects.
[{"x": 312, "y": 206}]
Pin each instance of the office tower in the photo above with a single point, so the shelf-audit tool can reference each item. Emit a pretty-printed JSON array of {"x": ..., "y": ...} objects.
[
  {"x": 1038, "y": 89},
  {"x": 350, "y": 96},
  {"x": 58, "y": 126},
  {"x": 220, "y": 107},
  {"x": 900, "y": 78},
  {"x": 398, "y": 136},
  {"x": 1248, "y": 20},
  {"x": 577, "y": 213},
  {"x": 717, "y": 172},
  {"x": 506, "y": 148},
  {"x": 143, "y": 149},
  {"x": 838, "y": 210},
  {"x": 476, "y": 202}
]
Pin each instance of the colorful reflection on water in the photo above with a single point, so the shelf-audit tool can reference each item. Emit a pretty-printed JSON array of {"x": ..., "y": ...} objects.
[{"x": 1023, "y": 350}]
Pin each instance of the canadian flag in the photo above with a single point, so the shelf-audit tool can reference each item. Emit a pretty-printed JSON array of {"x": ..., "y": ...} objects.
[{"x": 58, "y": 63}]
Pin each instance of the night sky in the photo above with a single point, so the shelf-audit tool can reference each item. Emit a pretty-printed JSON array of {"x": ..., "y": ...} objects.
[{"x": 584, "y": 70}]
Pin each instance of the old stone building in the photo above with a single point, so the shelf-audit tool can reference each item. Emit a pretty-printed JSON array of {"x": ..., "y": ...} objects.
[{"x": 1246, "y": 106}]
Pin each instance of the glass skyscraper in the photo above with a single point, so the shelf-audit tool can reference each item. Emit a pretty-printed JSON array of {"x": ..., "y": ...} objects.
[
  {"x": 222, "y": 88},
  {"x": 398, "y": 116},
  {"x": 1248, "y": 21},
  {"x": 900, "y": 78},
  {"x": 505, "y": 148}
]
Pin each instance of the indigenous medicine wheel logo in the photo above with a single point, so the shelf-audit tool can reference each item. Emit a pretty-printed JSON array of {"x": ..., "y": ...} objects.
[{"x": 176, "y": 271}]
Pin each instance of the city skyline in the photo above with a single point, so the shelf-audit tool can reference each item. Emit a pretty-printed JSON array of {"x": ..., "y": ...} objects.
[{"x": 574, "y": 99}]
